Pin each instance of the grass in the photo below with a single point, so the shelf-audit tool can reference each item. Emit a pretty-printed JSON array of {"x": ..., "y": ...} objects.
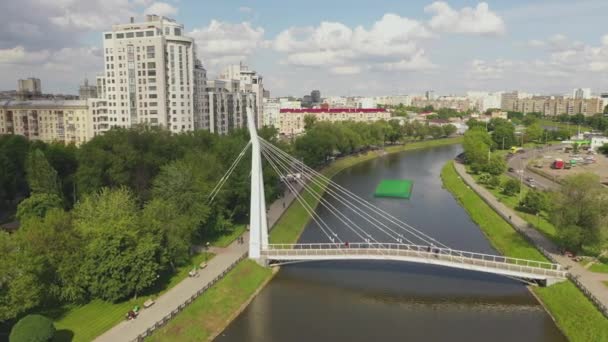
[
  {"x": 88, "y": 321},
  {"x": 599, "y": 267},
  {"x": 573, "y": 312},
  {"x": 210, "y": 312},
  {"x": 290, "y": 225},
  {"x": 605, "y": 282},
  {"x": 226, "y": 239},
  {"x": 572, "y": 128}
]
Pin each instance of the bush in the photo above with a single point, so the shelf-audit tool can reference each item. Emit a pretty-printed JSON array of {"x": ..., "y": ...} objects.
[
  {"x": 33, "y": 328},
  {"x": 511, "y": 187},
  {"x": 534, "y": 202},
  {"x": 484, "y": 178},
  {"x": 494, "y": 182}
]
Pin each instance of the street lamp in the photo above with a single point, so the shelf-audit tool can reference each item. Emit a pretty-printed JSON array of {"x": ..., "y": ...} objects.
[{"x": 206, "y": 250}]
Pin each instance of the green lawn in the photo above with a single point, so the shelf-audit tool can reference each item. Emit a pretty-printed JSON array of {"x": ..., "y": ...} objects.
[
  {"x": 574, "y": 313},
  {"x": 210, "y": 312},
  {"x": 599, "y": 267},
  {"x": 226, "y": 239},
  {"x": 572, "y": 128},
  {"x": 291, "y": 224},
  {"x": 88, "y": 321}
]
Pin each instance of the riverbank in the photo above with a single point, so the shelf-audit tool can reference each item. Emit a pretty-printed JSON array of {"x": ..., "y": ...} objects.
[
  {"x": 287, "y": 229},
  {"x": 574, "y": 314}
]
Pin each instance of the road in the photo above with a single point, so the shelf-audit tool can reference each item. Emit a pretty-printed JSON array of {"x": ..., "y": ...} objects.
[
  {"x": 591, "y": 280},
  {"x": 518, "y": 162}
]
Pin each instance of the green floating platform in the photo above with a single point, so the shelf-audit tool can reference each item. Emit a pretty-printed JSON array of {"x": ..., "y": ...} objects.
[{"x": 398, "y": 188}]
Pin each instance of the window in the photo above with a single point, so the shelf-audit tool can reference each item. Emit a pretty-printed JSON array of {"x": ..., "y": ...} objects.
[
  {"x": 152, "y": 96},
  {"x": 120, "y": 36},
  {"x": 150, "y": 51},
  {"x": 139, "y": 34},
  {"x": 151, "y": 65},
  {"x": 151, "y": 72},
  {"x": 149, "y": 33},
  {"x": 130, "y": 35},
  {"x": 108, "y": 36},
  {"x": 167, "y": 32},
  {"x": 178, "y": 31}
]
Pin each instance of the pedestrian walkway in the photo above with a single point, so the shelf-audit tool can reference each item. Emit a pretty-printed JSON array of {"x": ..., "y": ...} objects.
[
  {"x": 591, "y": 280},
  {"x": 169, "y": 301}
]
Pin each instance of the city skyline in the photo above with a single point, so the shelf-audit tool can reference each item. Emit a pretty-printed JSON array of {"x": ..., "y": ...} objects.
[{"x": 385, "y": 48}]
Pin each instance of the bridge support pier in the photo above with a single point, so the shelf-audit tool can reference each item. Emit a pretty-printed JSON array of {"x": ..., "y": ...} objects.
[{"x": 258, "y": 226}]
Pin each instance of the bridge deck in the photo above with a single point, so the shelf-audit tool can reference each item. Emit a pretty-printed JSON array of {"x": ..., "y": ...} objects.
[{"x": 520, "y": 268}]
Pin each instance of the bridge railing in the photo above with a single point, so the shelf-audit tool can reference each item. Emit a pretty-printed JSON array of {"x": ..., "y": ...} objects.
[{"x": 425, "y": 252}]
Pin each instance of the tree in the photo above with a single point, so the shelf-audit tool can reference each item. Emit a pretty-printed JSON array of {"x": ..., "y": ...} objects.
[
  {"x": 33, "y": 328},
  {"x": 436, "y": 131},
  {"x": 484, "y": 178},
  {"x": 309, "y": 121},
  {"x": 20, "y": 285},
  {"x": 41, "y": 176},
  {"x": 13, "y": 152},
  {"x": 58, "y": 247},
  {"x": 578, "y": 210},
  {"x": 449, "y": 129},
  {"x": 534, "y": 202},
  {"x": 511, "y": 187},
  {"x": 37, "y": 205},
  {"x": 603, "y": 149},
  {"x": 494, "y": 182},
  {"x": 534, "y": 132},
  {"x": 477, "y": 144},
  {"x": 122, "y": 257},
  {"x": 496, "y": 165},
  {"x": 503, "y": 133}
]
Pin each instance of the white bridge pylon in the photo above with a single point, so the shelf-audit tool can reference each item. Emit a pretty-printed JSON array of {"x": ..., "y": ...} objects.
[{"x": 379, "y": 235}]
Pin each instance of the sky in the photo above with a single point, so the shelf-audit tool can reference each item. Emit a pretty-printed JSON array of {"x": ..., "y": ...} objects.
[{"x": 350, "y": 47}]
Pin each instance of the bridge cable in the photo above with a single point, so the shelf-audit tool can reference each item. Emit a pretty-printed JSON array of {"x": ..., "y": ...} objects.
[
  {"x": 343, "y": 201},
  {"x": 399, "y": 223},
  {"x": 227, "y": 174},
  {"x": 318, "y": 220},
  {"x": 330, "y": 207}
]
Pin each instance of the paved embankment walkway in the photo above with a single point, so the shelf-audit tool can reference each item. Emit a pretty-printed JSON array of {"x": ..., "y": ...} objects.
[
  {"x": 590, "y": 280},
  {"x": 169, "y": 301}
]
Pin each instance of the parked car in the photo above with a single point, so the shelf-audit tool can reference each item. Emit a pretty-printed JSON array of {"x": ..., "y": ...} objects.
[{"x": 511, "y": 169}]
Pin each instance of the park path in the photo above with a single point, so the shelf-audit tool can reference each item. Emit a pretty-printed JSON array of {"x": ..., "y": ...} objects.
[
  {"x": 591, "y": 280},
  {"x": 170, "y": 300}
]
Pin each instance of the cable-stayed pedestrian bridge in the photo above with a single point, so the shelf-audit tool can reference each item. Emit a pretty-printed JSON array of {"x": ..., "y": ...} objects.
[{"x": 358, "y": 229}]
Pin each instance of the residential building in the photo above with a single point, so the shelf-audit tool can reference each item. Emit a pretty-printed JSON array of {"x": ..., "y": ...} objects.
[
  {"x": 227, "y": 106},
  {"x": 482, "y": 101},
  {"x": 366, "y": 103},
  {"x": 552, "y": 105},
  {"x": 86, "y": 91},
  {"x": 429, "y": 95},
  {"x": 272, "y": 108},
  {"x": 29, "y": 87},
  {"x": 461, "y": 104},
  {"x": 393, "y": 100},
  {"x": 291, "y": 121},
  {"x": 249, "y": 81},
  {"x": 581, "y": 93},
  {"x": 289, "y": 103},
  {"x": 66, "y": 121},
  {"x": 149, "y": 74}
]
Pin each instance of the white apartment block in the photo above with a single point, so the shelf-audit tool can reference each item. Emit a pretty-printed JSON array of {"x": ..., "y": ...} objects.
[
  {"x": 249, "y": 81},
  {"x": 483, "y": 100},
  {"x": 227, "y": 106},
  {"x": 394, "y": 100},
  {"x": 149, "y": 75},
  {"x": 47, "y": 120},
  {"x": 291, "y": 121},
  {"x": 272, "y": 108},
  {"x": 287, "y": 103}
]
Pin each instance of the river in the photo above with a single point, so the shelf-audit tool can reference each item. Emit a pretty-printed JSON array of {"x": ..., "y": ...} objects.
[{"x": 393, "y": 301}]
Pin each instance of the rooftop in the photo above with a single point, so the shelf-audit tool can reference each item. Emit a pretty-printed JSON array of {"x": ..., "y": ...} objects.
[{"x": 333, "y": 110}]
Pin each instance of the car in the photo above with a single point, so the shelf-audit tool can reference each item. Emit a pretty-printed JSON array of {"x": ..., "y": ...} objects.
[
  {"x": 511, "y": 169},
  {"x": 530, "y": 179}
]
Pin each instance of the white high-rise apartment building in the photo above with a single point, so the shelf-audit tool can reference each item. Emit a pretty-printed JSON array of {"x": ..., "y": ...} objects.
[
  {"x": 250, "y": 81},
  {"x": 484, "y": 100},
  {"x": 581, "y": 93},
  {"x": 149, "y": 75}
]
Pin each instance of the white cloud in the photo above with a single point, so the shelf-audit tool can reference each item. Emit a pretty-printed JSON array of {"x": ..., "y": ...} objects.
[
  {"x": 484, "y": 70},
  {"x": 162, "y": 9},
  {"x": 478, "y": 20},
  {"x": 245, "y": 9},
  {"x": 390, "y": 44},
  {"x": 222, "y": 42},
  {"x": 345, "y": 70}
]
